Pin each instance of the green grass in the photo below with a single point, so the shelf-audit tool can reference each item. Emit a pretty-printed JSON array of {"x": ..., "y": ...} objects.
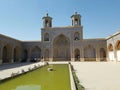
[{"x": 40, "y": 79}]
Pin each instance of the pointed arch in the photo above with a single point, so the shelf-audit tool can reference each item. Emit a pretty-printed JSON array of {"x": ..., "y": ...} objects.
[
  {"x": 117, "y": 46},
  {"x": 89, "y": 53},
  {"x": 25, "y": 55},
  {"x": 47, "y": 23},
  {"x": 7, "y": 53},
  {"x": 17, "y": 54},
  {"x": 76, "y": 22},
  {"x": 110, "y": 47},
  {"x": 61, "y": 48},
  {"x": 46, "y": 37},
  {"x": 36, "y": 52},
  {"x": 46, "y": 55},
  {"x": 111, "y": 52},
  {"x": 76, "y": 36},
  {"x": 77, "y": 54},
  {"x": 0, "y": 50},
  {"x": 102, "y": 54}
]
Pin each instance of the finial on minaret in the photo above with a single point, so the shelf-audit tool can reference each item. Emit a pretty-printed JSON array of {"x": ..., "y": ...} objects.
[
  {"x": 75, "y": 13},
  {"x": 47, "y": 14}
]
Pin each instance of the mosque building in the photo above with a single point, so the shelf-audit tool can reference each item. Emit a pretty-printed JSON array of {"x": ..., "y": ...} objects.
[{"x": 61, "y": 44}]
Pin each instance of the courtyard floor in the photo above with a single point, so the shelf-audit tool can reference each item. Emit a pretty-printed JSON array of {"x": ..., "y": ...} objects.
[
  {"x": 7, "y": 69},
  {"x": 98, "y": 75}
]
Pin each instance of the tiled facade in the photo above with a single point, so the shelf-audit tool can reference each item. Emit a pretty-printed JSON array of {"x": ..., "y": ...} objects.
[{"x": 61, "y": 44}]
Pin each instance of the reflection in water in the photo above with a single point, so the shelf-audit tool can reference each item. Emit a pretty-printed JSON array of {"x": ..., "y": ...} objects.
[{"x": 28, "y": 87}]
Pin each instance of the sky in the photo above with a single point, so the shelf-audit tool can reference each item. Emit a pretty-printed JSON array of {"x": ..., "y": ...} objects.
[{"x": 22, "y": 19}]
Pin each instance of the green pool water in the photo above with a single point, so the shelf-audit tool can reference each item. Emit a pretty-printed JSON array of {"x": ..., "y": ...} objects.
[{"x": 41, "y": 79}]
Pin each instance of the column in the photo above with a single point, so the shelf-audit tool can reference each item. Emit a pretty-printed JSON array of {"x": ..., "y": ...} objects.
[
  {"x": 97, "y": 54},
  {"x": 115, "y": 55},
  {"x": 12, "y": 55},
  {"x": 51, "y": 55},
  {"x": 29, "y": 55},
  {"x": 72, "y": 54},
  {"x": 0, "y": 55},
  {"x": 82, "y": 54},
  {"x": 72, "y": 51},
  {"x": 107, "y": 55}
]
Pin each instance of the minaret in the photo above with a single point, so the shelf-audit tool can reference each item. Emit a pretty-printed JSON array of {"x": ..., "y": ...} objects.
[
  {"x": 76, "y": 19},
  {"x": 47, "y": 21}
]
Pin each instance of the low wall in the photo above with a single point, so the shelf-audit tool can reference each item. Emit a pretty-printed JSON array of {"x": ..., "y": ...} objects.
[
  {"x": 7, "y": 73},
  {"x": 71, "y": 79}
]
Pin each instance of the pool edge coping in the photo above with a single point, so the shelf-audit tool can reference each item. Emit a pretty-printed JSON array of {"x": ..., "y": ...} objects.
[{"x": 71, "y": 79}]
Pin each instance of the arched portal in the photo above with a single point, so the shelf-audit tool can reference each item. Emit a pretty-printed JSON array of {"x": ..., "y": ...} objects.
[
  {"x": 102, "y": 54},
  {"x": 25, "y": 55},
  {"x": 0, "y": 51},
  {"x": 110, "y": 52},
  {"x": 89, "y": 53},
  {"x": 77, "y": 54},
  {"x": 7, "y": 53},
  {"x": 46, "y": 55},
  {"x": 17, "y": 54},
  {"x": 118, "y": 50},
  {"x": 61, "y": 48},
  {"x": 36, "y": 52},
  {"x": 77, "y": 36},
  {"x": 46, "y": 37}
]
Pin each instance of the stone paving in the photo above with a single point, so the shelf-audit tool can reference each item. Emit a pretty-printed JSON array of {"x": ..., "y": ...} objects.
[
  {"x": 7, "y": 69},
  {"x": 98, "y": 75}
]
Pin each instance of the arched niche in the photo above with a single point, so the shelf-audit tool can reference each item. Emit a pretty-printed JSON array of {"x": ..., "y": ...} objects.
[
  {"x": 89, "y": 53},
  {"x": 102, "y": 54},
  {"x": 7, "y": 53},
  {"x": 118, "y": 50},
  {"x": 111, "y": 52},
  {"x": 25, "y": 55},
  {"x": 36, "y": 52},
  {"x": 17, "y": 54},
  {"x": 77, "y": 54},
  {"x": 46, "y": 37},
  {"x": 61, "y": 48},
  {"x": 46, "y": 55},
  {"x": 76, "y": 36}
]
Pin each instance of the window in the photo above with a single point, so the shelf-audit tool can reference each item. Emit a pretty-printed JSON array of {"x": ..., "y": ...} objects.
[
  {"x": 76, "y": 22},
  {"x": 76, "y": 36},
  {"x": 47, "y": 23},
  {"x": 46, "y": 37}
]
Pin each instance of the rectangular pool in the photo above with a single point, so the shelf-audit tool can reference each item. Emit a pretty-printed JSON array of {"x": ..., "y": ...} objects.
[{"x": 41, "y": 79}]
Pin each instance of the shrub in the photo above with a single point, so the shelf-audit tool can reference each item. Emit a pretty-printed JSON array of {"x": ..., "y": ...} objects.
[{"x": 76, "y": 80}]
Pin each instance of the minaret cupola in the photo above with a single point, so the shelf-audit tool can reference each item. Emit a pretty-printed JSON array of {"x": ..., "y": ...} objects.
[
  {"x": 76, "y": 19},
  {"x": 47, "y": 21}
]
